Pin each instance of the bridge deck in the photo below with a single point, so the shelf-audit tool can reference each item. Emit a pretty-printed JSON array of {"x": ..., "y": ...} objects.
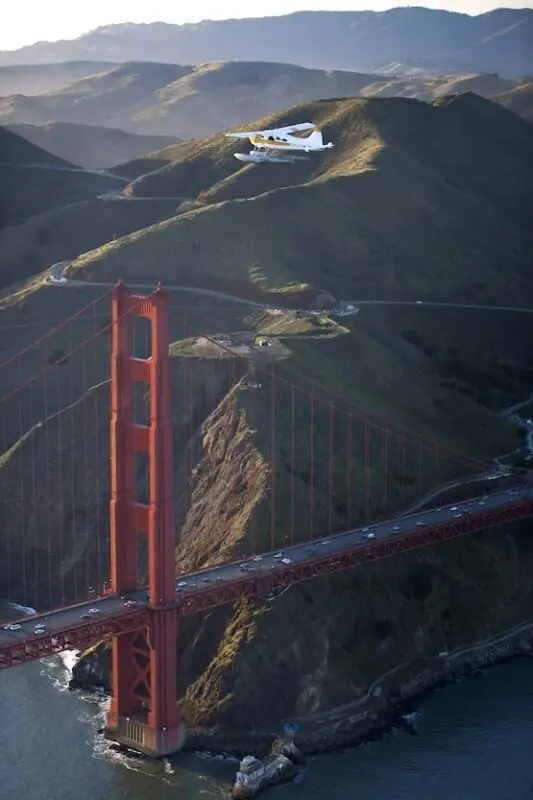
[{"x": 226, "y": 583}]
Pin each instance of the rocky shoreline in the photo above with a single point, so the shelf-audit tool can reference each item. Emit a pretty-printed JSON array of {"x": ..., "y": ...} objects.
[
  {"x": 384, "y": 706},
  {"x": 389, "y": 699}
]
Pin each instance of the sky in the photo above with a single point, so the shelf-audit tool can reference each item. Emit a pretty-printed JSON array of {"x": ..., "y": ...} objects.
[{"x": 30, "y": 21}]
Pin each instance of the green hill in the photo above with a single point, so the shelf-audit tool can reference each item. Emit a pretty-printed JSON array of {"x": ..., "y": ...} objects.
[
  {"x": 33, "y": 181},
  {"x": 35, "y": 79},
  {"x": 60, "y": 234},
  {"x": 415, "y": 200},
  {"x": 91, "y": 146},
  {"x": 195, "y": 101},
  {"x": 14, "y": 149},
  {"x": 519, "y": 100}
]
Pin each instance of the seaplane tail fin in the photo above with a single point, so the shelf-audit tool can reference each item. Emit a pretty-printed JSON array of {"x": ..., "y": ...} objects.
[{"x": 314, "y": 141}]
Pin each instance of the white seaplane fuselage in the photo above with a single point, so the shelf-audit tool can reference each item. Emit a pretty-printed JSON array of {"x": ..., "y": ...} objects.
[{"x": 280, "y": 146}]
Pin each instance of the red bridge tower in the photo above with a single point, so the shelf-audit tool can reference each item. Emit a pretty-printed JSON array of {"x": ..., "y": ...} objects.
[{"x": 144, "y": 712}]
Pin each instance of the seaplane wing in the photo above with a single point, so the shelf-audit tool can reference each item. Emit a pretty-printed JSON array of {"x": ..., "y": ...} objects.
[{"x": 300, "y": 126}]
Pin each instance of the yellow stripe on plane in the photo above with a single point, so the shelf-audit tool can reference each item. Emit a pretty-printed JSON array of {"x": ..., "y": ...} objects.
[{"x": 258, "y": 140}]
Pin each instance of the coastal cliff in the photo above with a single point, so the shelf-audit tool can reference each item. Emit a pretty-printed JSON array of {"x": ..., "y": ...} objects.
[{"x": 320, "y": 648}]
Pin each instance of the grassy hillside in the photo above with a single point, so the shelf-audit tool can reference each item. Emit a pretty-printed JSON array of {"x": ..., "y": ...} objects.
[
  {"x": 193, "y": 102},
  {"x": 32, "y": 79},
  {"x": 91, "y": 146},
  {"x": 62, "y": 233},
  {"x": 415, "y": 200},
  {"x": 519, "y": 100},
  {"x": 33, "y": 181},
  {"x": 15, "y": 149}
]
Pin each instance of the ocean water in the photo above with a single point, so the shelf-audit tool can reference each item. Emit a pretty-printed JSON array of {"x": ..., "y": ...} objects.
[{"x": 473, "y": 741}]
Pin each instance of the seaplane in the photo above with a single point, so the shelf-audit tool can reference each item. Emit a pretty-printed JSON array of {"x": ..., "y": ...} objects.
[{"x": 282, "y": 145}]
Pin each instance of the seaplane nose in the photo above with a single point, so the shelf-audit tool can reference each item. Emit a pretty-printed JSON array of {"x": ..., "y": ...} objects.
[{"x": 241, "y": 157}]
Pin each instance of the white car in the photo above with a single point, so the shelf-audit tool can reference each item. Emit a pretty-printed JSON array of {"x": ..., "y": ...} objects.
[
  {"x": 369, "y": 535},
  {"x": 94, "y": 611},
  {"x": 13, "y": 626}
]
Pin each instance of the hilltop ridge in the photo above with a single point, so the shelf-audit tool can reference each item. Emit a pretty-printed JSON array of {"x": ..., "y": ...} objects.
[
  {"x": 91, "y": 146},
  {"x": 14, "y": 149},
  {"x": 185, "y": 101},
  {"x": 497, "y": 41},
  {"x": 416, "y": 201},
  {"x": 33, "y": 181},
  {"x": 414, "y": 198}
]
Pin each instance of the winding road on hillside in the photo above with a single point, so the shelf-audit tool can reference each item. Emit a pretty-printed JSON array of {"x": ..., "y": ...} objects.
[
  {"x": 104, "y": 173},
  {"x": 57, "y": 277}
]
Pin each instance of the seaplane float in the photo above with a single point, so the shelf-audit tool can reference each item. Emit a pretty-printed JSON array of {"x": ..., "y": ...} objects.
[{"x": 282, "y": 145}]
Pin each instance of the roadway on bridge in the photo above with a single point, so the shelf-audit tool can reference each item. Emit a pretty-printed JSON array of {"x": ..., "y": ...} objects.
[{"x": 255, "y": 566}]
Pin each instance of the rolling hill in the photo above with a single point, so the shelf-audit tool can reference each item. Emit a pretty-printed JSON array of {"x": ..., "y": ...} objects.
[
  {"x": 192, "y": 102},
  {"x": 33, "y": 181},
  {"x": 33, "y": 244},
  {"x": 90, "y": 146},
  {"x": 519, "y": 100},
  {"x": 17, "y": 150},
  {"x": 498, "y": 41},
  {"x": 33, "y": 79},
  {"x": 415, "y": 199}
]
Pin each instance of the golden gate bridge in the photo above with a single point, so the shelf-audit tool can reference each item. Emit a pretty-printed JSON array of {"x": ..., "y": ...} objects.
[{"x": 105, "y": 476}]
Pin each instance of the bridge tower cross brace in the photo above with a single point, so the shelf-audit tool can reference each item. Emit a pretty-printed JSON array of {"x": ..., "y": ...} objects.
[{"x": 144, "y": 713}]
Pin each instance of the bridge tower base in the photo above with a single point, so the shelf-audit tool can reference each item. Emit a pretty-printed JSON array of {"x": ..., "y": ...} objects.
[{"x": 144, "y": 713}]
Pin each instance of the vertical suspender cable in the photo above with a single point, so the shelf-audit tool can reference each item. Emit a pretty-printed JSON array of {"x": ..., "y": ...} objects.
[
  {"x": 60, "y": 506},
  {"x": 330, "y": 472},
  {"x": 366, "y": 470},
  {"x": 34, "y": 514},
  {"x": 312, "y": 465},
  {"x": 73, "y": 432},
  {"x": 47, "y": 481},
  {"x": 402, "y": 458},
  {"x": 97, "y": 458},
  {"x": 349, "y": 469},
  {"x": 420, "y": 457},
  {"x": 273, "y": 459},
  {"x": 85, "y": 472},
  {"x": 385, "y": 465},
  {"x": 22, "y": 493},
  {"x": 6, "y": 501},
  {"x": 293, "y": 466}
]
